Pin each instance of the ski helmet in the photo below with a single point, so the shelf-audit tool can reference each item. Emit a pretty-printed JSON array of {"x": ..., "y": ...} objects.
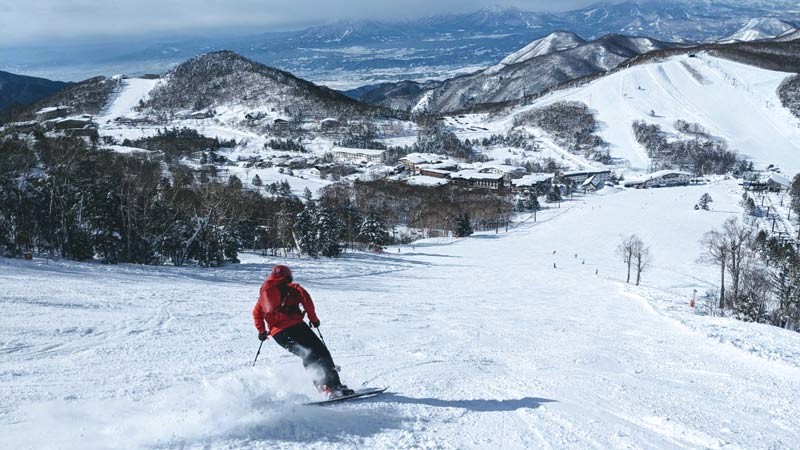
[{"x": 281, "y": 272}]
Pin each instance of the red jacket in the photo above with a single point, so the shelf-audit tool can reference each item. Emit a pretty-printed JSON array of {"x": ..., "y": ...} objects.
[{"x": 279, "y": 305}]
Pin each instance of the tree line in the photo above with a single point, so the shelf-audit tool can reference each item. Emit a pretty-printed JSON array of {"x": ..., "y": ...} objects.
[
  {"x": 701, "y": 155},
  {"x": 65, "y": 198},
  {"x": 759, "y": 271}
]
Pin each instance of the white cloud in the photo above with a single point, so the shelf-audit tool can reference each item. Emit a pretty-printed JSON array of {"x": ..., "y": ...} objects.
[{"x": 36, "y": 20}]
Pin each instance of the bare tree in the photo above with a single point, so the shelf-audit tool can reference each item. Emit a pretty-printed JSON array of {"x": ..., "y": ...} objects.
[
  {"x": 716, "y": 252},
  {"x": 741, "y": 252},
  {"x": 640, "y": 253},
  {"x": 732, "y": 249},
  {"x": 625, "y": 250}
]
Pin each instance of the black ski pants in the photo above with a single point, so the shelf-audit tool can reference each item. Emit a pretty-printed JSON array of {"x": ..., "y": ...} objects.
[{"x": 301, "y": 340}]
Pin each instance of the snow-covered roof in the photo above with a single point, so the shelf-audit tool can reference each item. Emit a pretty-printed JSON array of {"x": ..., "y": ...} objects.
[
  {"x": 423, "y": 180},
  {"x": 439, "y": 171},
  {"x": 576, "y": 173},
  {"x": 50, "y": 109},
  {"x": 532, "y": 179},
  {"x": 779, "y": 179},
  {"x": 505, "y": 168},
  {"x": 470, "y": 175},
  {"x": 444, "y": 165},
  {"x": 655, "y": 175},
  {"x": 422, "y": 158},
  {"x": 359, "y": 151}
]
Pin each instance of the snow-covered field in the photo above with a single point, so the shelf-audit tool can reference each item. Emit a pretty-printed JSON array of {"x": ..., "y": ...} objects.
[{"x": 482, "y": 342}]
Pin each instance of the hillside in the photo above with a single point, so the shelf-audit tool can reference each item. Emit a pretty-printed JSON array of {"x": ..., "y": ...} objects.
[
  {"x": 702, "y": 89},
  {"x": 85, "y": 97},
  {"x": 22, "y": 90},
  {"x": 760, "y": 29},
  {"x": 227, "y": 79},
  {"x": 544, "y": 63}
]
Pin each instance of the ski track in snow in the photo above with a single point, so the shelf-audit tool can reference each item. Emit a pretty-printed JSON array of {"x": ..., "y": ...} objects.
[{"x": 482, "y": 343}]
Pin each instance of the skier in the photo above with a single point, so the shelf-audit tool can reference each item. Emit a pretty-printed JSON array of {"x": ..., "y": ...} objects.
[{"x": 279, "y": 306}]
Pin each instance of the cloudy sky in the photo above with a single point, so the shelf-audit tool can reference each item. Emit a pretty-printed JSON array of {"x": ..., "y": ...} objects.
[{"x": 24, "y": 21}]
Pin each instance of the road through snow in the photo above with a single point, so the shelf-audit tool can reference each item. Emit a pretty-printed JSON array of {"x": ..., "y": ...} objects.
[{"x": 482, "y": 342}]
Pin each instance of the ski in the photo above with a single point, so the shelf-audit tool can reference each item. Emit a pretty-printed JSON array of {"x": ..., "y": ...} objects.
[{"x": 360, "y": 393}]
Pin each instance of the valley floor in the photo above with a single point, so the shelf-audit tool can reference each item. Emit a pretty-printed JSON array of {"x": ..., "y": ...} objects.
[{"x": 483, "y": 343}]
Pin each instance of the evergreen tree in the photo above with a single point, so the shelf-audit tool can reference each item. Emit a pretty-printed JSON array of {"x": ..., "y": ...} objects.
[
  {"x": 330, "y": 232},
  {"x": 257, "y": 181},
  {"x": 463, "y": 226},
  {"x": 554, "y": 195},
  {"x": 373, "y": 231},
  {"x": 704, "y": 201}
]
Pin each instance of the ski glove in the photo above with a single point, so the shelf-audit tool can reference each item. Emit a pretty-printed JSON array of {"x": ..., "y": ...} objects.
[
  {"x": 263, "y": 336},
  {"x": 313, "y": 324}
]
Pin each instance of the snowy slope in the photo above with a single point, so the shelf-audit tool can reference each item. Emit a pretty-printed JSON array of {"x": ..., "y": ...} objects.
[
  {"x": 758, "y": 29},
  {"x": 554, "y": 42},
  {"x": 732, "y": 101},
  {"x": 482, "y": 342},
  {"x": 130, "y": 92}
]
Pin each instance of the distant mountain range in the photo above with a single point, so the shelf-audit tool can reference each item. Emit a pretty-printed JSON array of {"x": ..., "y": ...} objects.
[
  {"x": 346, "y": 54},
  {"x": 542, "y": 64},
  {"x": 22, "y": 90}
]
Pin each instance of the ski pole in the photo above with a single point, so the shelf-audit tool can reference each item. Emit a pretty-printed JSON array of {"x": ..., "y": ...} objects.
[
  {"x": 335, "y": 366},
  {"x": 258, "y": 353}
]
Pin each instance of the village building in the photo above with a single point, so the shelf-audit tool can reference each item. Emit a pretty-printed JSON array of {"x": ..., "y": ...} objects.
[
  {"x": 328, "y": 124},
  {"x": 72, "y": 122},
  {"x": 662, "y": 178},
  {"x": 52, "y": 112},
  {"x": 412, "y": 160},
  {"x": 578, "y": 177},
  {"x": 592, "y": 184},
  {"x": 357, "y": 155},
  {"x": 777, "y": 182},
  {"x": 436, "y": 173},
  {"x": 535, "y": 182},
  {"x": 478, "y": 180},
  {"x": 509, "y": 172}
]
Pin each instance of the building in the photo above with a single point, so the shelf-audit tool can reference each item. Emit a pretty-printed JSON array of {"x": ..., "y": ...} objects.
[
  {"x": 777, "y": 182},
  {"x": 52, "y": 112},
  {"x": 592, "y": 184},
  {"x": 662, "y": 178},
  {"x": 478, "y": 180},
  {"x": 71, "y": 122},
  {"x": 578, "y": 177},
  {"x": 509, "y": 172},
  {"x": 329, "y": 123},
  {"x": 412, "y": 160},
  {"x": 357, "y": 155},
  {"x": 535, "y": 182},
  {"x": 436, "y": 173}
]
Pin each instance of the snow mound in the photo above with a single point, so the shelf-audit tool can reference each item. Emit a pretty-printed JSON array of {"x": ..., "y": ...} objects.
[{"x": 248, "y": 405}]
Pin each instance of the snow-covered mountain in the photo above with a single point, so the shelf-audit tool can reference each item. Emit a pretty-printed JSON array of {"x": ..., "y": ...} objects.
[
  {"x": 545, "y": 63},
  {"x": 348, "y": 53},
  {"x": 697, "y": 88},
  {"x": 554, "y": 42},
  {"x": 225, "y": 78},
  {"x": 788, "y": 36},
  {"x": 760, "y": 29}
]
